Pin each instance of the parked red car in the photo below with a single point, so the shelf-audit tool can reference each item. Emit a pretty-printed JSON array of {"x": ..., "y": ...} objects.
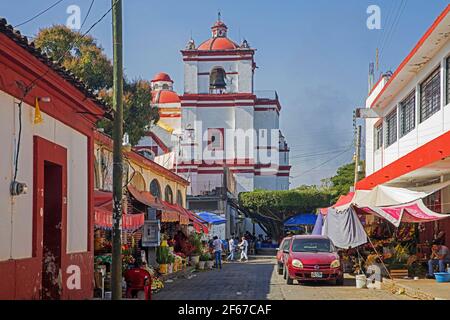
[
  {"x": 312, "y": 258},
  {"x": 284, "y": 246}
]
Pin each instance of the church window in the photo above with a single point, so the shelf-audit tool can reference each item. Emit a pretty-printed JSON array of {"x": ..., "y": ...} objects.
[{"x": 215, "y": 139}]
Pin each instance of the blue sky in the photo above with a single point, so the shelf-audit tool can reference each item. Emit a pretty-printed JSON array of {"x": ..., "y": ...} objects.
[{"x": 314, "y": 53}]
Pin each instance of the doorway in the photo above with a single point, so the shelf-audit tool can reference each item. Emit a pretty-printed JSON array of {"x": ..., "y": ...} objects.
[{"x": 52, "y": 231}]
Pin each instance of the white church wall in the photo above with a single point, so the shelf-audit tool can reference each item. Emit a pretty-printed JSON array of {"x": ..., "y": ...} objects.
[
  {"x": 190, "y": 77},
  {"x": 245, "y": 69}
]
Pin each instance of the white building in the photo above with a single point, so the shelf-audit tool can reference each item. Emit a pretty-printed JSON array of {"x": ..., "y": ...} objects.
[
  {"x": 220, "y": 120},
  {"x": 409, "y": 144}
]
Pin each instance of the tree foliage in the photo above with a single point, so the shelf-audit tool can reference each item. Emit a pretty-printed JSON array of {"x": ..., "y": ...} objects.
[
  {"x": 138, "y": 112},
  {"x": 81, "y": 55},
  {"x": 272, "y": 208},
  {"x": 87, "y": 60}
]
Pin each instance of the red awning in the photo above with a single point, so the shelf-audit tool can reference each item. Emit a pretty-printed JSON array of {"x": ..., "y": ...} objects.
[
  {"x": 182, "y": 216},
  {"x": 146, "y": 198},
  {"x": 343, "y": 200},
  {"x": 103, "y": 199},
  {"x": 130, "y": 222},
  {"x": 197, "y": 222},
  {"x": 103, "y": 208}
]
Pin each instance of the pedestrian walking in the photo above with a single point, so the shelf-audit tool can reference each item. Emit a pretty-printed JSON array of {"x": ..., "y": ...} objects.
[
  {"x": 232, "y": 248},
  {"x": 244, "y": 248},
  {"x": 218, "y": 247}
]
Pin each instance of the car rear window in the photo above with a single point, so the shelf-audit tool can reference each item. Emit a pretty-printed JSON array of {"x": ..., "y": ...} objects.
[{"x": 312, "y": 245}]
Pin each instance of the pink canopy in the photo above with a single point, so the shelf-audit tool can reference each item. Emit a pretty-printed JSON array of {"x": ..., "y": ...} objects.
[
  {"x": 394, "y": 204},
  {"x": 415, "y": 212}
]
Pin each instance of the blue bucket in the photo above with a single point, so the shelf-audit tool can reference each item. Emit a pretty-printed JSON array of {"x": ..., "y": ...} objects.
[{"x": 442, "y": 277}]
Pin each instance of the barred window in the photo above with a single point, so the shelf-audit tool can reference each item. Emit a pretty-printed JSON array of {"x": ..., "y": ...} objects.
[
  {"x": 448, "y": 80},
  {"x": 379, "y": 136},
  {"x": 408, "y": 114},
  {"x": 391, "y": 128},
  {"x": 430, "y": 93}
]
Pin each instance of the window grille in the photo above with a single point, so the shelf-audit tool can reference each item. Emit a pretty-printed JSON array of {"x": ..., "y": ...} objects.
[
  {"x": 408, "y": 114},
  {"x": 430, "y": 96}
]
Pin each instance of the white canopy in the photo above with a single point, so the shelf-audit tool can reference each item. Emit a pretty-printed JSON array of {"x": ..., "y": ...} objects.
[{"x": 397, "y": 204}]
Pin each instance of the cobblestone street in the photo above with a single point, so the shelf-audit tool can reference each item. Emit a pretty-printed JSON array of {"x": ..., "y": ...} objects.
[{"x": 258, "y": 280}]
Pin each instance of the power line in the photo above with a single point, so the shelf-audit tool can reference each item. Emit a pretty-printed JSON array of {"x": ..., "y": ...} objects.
[
  {"x": 27, "y": 89},
  {"x": 324, "y": 163},
  {"x": 317, "y": 143},
  {"x": 39, "y": 14},
  {"x": 74, "y": 43},
  {"x": 87, "y": 14},
  {"x": 317, "y": 154},
  {"x": 388, "y": 20},
  {"x": 394, "y": 27}
]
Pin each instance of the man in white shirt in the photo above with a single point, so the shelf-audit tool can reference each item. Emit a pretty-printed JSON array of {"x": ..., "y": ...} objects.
[
  {"x": 244, "y": 247},
  {"x": 217, "y": 244},
  {"x": 231, "y": 247}
]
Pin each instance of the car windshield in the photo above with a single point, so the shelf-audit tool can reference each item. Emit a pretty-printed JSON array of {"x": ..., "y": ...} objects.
[{"x": 312, "y": 245}]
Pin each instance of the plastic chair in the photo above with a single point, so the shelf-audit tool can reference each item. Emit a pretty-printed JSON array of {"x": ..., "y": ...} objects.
[{"x": 138, "y": 280}]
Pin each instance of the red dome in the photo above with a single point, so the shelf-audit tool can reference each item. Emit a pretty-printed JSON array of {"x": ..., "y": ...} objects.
[
  {"x": 165, "y": 96},
  {"x": 218, "y": 44},
  {"x": 162, "y": 77}
]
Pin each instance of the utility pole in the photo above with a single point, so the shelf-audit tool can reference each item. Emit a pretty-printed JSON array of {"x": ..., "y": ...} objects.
[
  {"x": 357, "y": 154},
  {"x": 116, "y": 267}
]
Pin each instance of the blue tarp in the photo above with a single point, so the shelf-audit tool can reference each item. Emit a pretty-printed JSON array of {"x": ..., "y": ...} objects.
[
  {"x": 303, "y": 219},
  {"x": 211, "y": 218}
]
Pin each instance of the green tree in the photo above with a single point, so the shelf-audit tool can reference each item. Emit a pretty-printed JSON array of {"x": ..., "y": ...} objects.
[
  {"x": 81, "y": 55},
  {"x": 344, "y": 180},
  {"x": 138, "y": 111},
  {"x": 86, "y": 59},
  {"x": 272, "y": 208}
]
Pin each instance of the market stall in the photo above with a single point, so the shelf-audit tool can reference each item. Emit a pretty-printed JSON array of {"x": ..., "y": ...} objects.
[
  {"x": 300, "y": 223},
  {"x": 393, "y": 219}
]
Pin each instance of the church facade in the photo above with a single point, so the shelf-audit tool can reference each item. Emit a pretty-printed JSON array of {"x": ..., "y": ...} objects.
[{"x": 219, "y": 121}]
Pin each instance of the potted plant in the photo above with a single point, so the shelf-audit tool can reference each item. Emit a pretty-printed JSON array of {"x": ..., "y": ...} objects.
[
  {"x": 171, "y": 261},
  {"x": 203, "y": 259},
  {"x": 162, "y": 258},
  {"x": 209, "y": 261},
  {"x": 196, "y": 243}
]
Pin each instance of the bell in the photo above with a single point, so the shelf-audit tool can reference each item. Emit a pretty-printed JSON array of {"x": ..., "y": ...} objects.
[{"x": 217, "y": 79}]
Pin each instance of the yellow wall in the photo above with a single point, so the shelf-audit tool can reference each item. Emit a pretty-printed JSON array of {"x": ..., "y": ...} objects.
[{"x": 104, "y": 174}]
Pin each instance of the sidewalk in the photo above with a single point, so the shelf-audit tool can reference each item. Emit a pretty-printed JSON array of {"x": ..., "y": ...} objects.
[{"x": 423, "y": 289}]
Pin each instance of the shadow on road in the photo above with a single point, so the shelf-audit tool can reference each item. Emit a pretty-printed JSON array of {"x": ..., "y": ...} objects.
[
  {"x": 347, "y": 283},
  {"x": 236, "y": 281}
]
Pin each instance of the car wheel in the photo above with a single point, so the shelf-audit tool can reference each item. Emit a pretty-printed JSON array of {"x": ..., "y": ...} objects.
[
  {"x": 340, "y": 281},
  {"x": 284, "y": 273},
  {"x": 280, "y": 269},
  {"x": 289, "y": 281}
]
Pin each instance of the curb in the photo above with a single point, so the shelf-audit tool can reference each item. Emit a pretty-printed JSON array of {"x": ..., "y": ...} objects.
[{"x": 397, "y": 288}]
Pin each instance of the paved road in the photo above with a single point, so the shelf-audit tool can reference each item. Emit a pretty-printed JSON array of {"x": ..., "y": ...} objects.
[{"x": 258, "y": 280}]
